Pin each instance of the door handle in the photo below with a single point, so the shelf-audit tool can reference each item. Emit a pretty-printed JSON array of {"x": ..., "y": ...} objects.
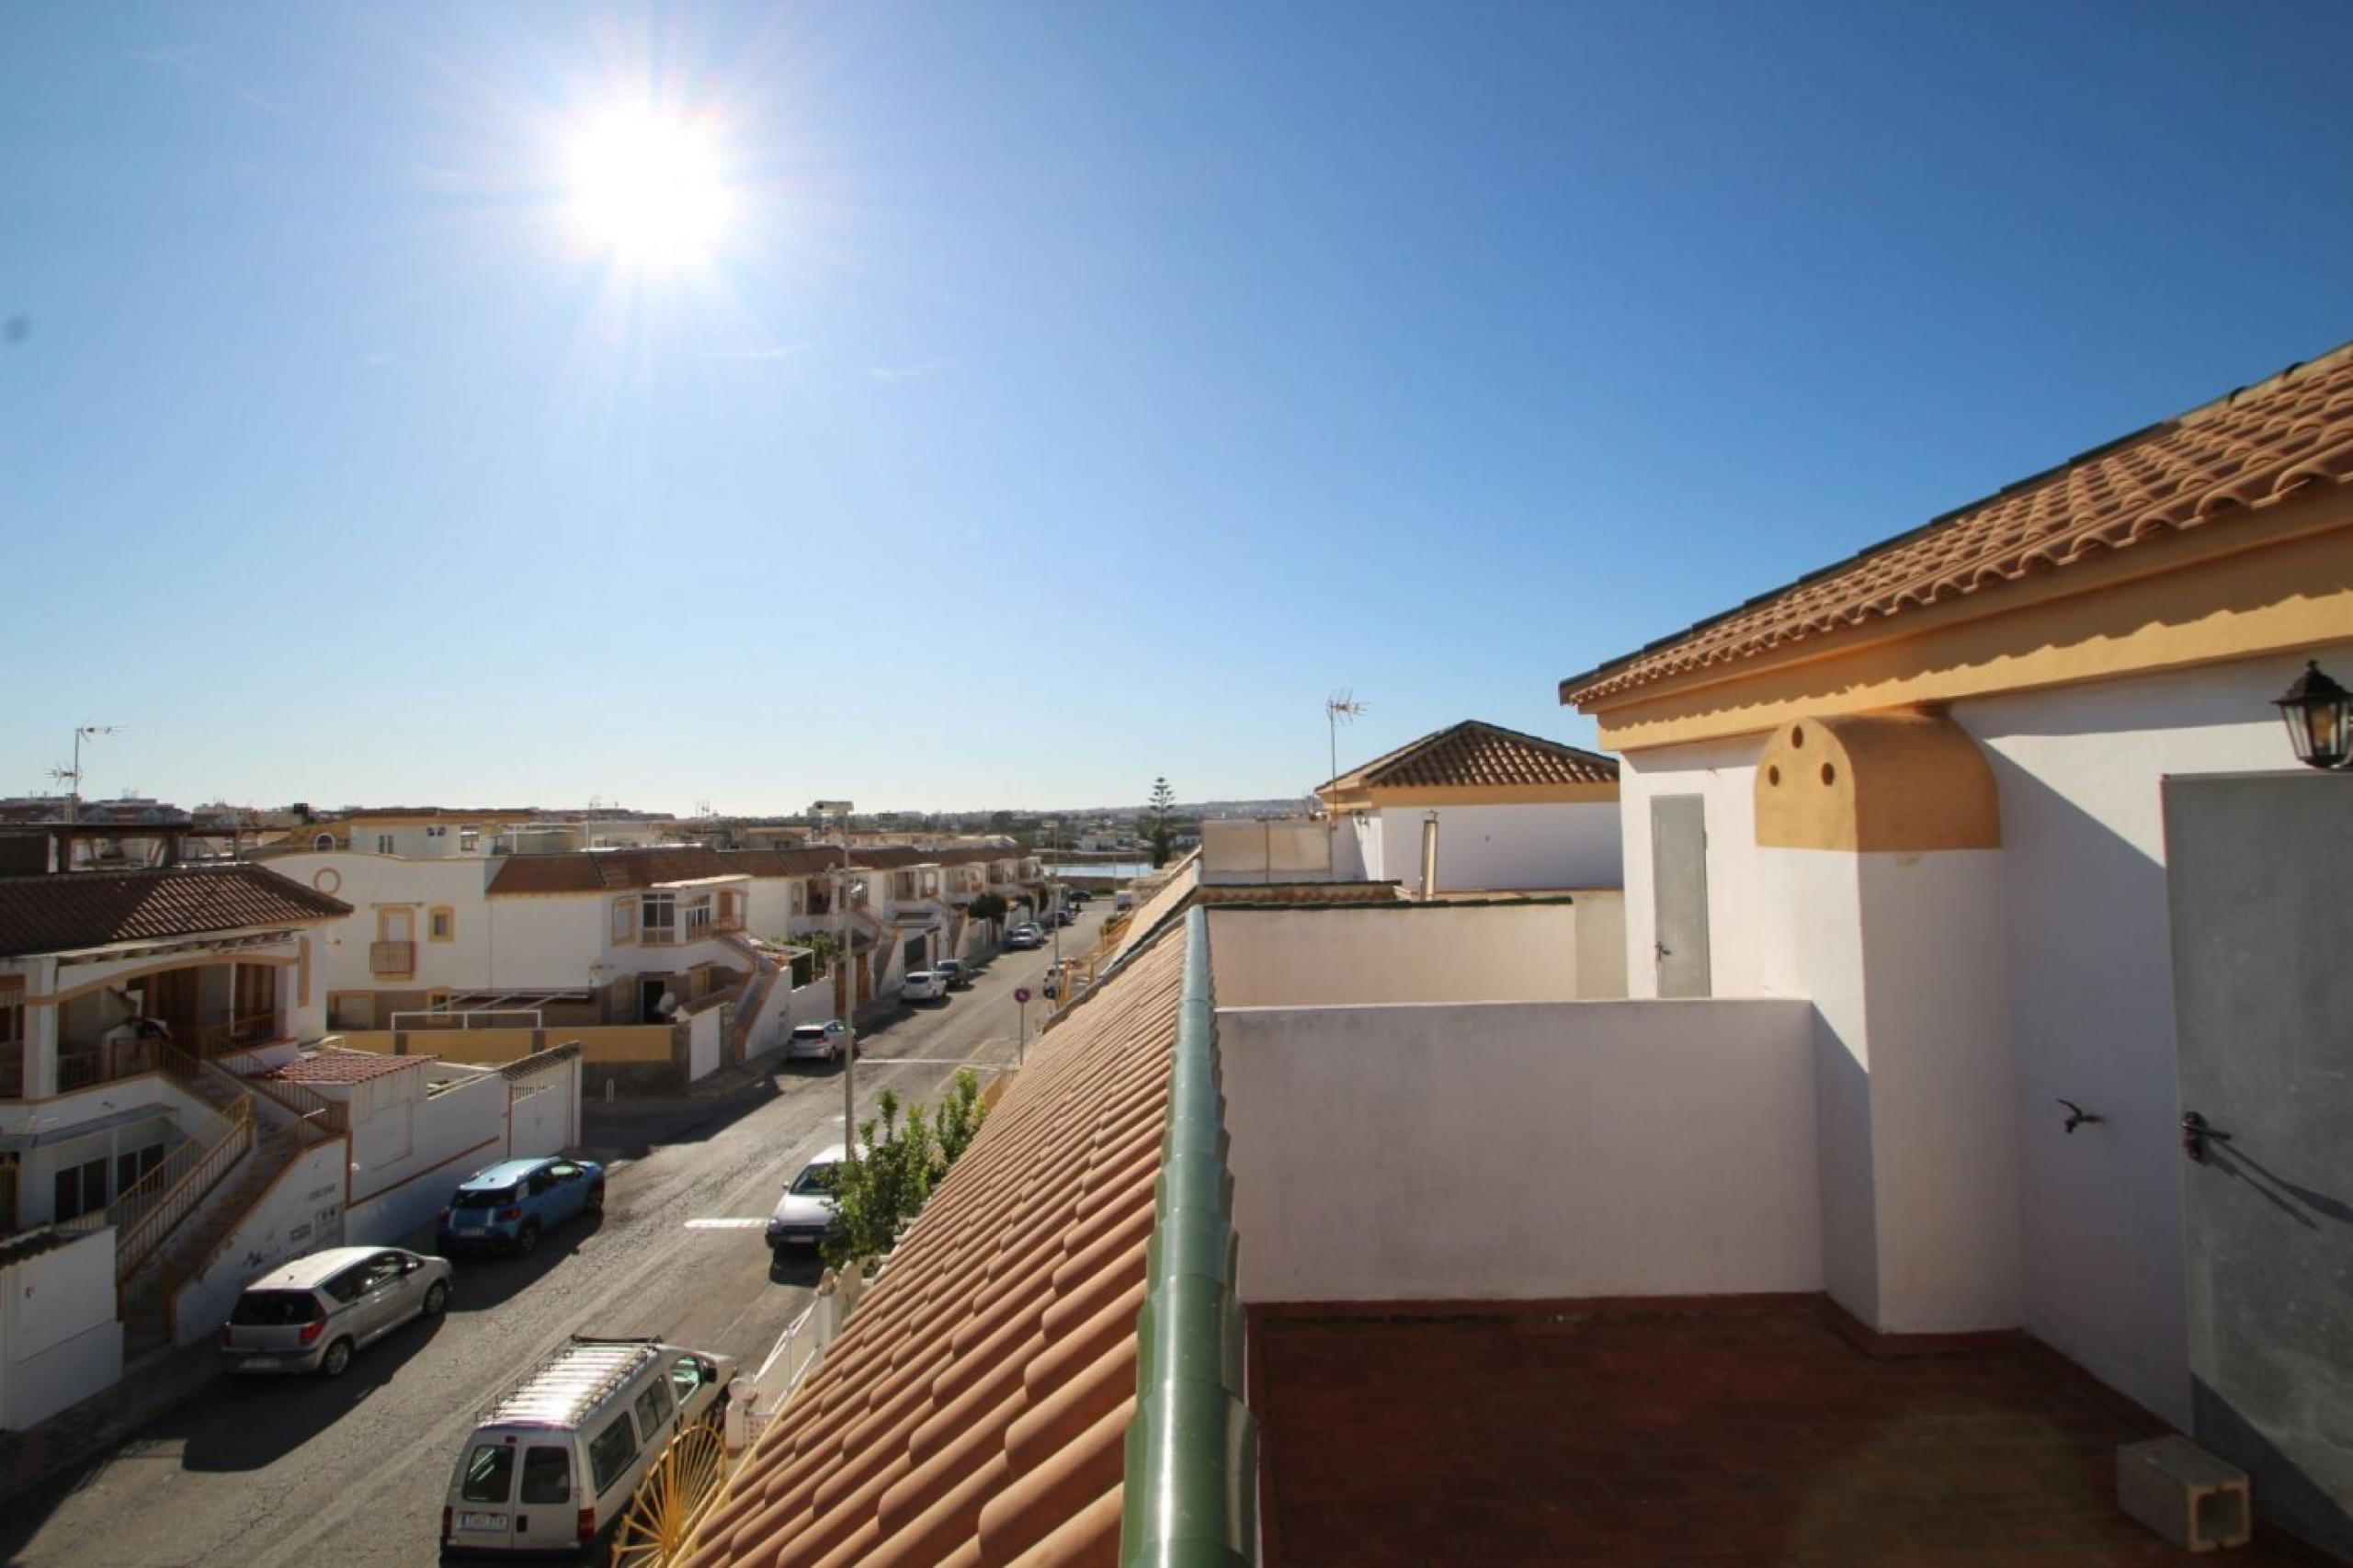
[
  {"x": 1661, "y": 949},
  {"x": 2196, "y": 1133}
]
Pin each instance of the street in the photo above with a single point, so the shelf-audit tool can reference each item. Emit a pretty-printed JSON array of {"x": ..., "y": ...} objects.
[{"x": 354, "y": 1471}]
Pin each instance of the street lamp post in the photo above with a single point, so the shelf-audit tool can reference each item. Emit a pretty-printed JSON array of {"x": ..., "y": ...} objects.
[{"x": 847, "y": 969}]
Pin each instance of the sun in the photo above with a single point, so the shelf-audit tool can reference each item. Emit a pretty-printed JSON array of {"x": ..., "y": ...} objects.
[{"x": 649, "y": 189}]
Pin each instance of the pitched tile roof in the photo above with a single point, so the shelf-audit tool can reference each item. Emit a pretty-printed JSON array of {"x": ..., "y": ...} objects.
[
  {"x": 345, "y": 1067},
  {"x": 806, "y": 862},
  {"x": 1473, "y": 754},
  {"x": 975, "y": 1409},
  {"x": 596, "y": 870},
  {"x": 2211, "y": 468},
  {"x": 92, "y": 909}
]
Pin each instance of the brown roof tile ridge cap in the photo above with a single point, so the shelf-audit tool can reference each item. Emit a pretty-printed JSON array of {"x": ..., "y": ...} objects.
[
  {"x": 1089, "y": 1538},
  {"x": 1026, "y": 1512},
  {"x": 1356, "y": 774},
  {"x": 1618, "y": 673},
  {"x": 1475, "y": 728}
]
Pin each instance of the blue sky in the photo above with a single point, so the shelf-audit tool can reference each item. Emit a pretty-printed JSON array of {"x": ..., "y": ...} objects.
[{"x": 1078, "y": 393}]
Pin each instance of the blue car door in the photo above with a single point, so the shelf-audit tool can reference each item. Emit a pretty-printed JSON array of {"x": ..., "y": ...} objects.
[{"x": 569, "y": 1194}]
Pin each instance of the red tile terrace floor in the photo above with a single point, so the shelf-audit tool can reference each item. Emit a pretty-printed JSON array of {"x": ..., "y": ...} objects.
[{"x": 1758, "y": 1434}]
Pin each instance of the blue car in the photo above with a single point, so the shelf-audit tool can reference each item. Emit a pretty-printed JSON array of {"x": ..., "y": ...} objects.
[{"x": 513, "y": 1203}]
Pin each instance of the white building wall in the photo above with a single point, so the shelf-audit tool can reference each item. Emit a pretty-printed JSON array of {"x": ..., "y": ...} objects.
[
  {"x": 409, "y": 1155},
  {"x": 1570, "y": 845},
  {"x": 301, "y": 1212},
  {"x": 59, "y": 1342},
  {"x": 1522, "y": 1151},
  {"x": 1343, "y": 954},
  {"x": 368, "y": 881},
  {"x": 1723, "y": 773},
  {"x": 2091, "y": 985}
]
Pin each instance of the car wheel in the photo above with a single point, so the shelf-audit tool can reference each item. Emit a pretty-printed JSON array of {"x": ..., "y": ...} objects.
[
  {"x": 526, "y": 1240},
  {"x": 436, "y": 1296},
  {"x": 337, "y": 1357},
  {"x": 596, "y": 1199}
]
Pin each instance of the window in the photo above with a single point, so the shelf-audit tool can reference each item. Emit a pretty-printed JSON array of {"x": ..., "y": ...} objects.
[
  {"x": 609, "y": 1454},
  {"x": 349, "y": 1285},
  {"x": 490, "y": 1474},
  {"x": 653, "y": 1406},
  {"x": 470, "y": 840},
  {"x": 441, "y": 925},
  {"x": 383, "y": 844},
  {"x": 547, "y": 1475},
  {"x": 624, "y": 920},
  {"x": 132, "y": 1164},
  {"x": 81, "y": 1189},
  {"x": 385, "y": 1268},
  {"x": 437, "y": 830},
  {"x": 686, "y": 1376},
  {"x": 698, "y": 916},
  {"x": 324, "y": 841},
  {"x": 657, "y": 917}
]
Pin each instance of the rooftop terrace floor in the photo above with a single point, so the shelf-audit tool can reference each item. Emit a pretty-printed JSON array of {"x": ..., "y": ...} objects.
[{"x": 1754, "y": 1434}]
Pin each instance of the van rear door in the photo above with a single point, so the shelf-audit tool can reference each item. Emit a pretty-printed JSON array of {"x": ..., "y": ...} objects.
[
  {"x": 480, "y": 1514},
  {"x": 546, "y": 1516}
]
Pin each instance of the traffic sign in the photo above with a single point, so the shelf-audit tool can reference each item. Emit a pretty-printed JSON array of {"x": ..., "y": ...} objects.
[{"x": 1021, "y": 994}]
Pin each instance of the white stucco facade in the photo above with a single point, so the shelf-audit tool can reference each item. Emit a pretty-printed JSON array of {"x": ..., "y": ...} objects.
[
  {"x": 1962, "y": 994},
  {"x": 1494, "y": 849}
]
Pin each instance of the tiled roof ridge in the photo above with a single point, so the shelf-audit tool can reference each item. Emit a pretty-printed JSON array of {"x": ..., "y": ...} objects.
[
  {"x": 67, "y": 910},
  {"x": 2187, "y": 470},
  {"x": 1436, "y": 752},
  {"x": 975, "y": 1404}
]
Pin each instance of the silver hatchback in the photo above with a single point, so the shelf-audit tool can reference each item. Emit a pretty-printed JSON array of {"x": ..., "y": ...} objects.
[{"x": 311, "y": 1314}]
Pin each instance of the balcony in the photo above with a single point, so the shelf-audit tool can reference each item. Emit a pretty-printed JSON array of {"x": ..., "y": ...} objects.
[{"x": 392, "y": 960}]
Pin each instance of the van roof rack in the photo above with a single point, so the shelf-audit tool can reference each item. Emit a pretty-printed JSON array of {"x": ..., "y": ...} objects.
[{"x": 569, "y": 1383}]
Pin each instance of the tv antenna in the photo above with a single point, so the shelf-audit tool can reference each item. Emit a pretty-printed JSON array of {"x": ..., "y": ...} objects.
[
  {"x": 1340, "y": 708},
  {"x": 72, "y": 776}
]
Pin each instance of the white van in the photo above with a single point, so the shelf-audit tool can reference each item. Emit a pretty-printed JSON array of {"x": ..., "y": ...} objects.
[{"x": 552, "y": 1464}]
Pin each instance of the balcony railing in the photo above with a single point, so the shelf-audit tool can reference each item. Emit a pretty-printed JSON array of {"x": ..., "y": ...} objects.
[
  {"x": 237, "y": 1033},
  {"x": 392, "y": 960},
  {"x": 145, "y": 1212},
  {"x": 80, "y": 1068}
]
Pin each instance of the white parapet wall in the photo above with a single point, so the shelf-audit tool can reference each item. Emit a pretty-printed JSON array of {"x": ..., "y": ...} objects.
[
  {"x": 1523, "y": 1152},
  {"x": 59, "y": 1340},
  {"x": 408, "y": 1157},
  {"x": 1348, "y": 954}
]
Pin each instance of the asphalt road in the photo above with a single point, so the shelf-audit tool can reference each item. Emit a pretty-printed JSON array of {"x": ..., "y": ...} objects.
[{"x": 263, "y": 1472}]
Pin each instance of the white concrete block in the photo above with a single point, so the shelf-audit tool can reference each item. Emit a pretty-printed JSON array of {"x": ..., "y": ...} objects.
[{"x": 2186, "y": 1494}]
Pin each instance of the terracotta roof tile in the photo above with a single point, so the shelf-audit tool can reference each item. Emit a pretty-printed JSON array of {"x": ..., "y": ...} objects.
[
  {"x": 1472, "y": 754},
  {"x": 92, "y": 909},
  {"x": 345, "y": 1067},
  {"x": 975, "y": 1410},
  {"x": 2210, "y": 468}
]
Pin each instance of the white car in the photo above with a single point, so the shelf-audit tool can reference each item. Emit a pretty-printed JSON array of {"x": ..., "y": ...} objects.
[
  {"x": 922, "y": 986},
  {"x": 805, "y": 1212},
  {"x": 815, "y": 1042},
  {"x": 1024, "y": 935}
]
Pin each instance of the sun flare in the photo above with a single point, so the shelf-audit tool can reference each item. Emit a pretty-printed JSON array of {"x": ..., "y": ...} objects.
[{"x": 648, "y": 188}]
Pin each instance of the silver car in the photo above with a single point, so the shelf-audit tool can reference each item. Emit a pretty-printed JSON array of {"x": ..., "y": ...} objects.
[
  {"x": 815, "y": 1042},
  {"x": 311, "y": 1314}
]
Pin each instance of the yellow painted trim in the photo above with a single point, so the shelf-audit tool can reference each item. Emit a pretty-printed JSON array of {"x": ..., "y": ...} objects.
[
  {"x": 1876, "y": 782},
  {"x": 2274, "y": 584},
  {"x": 183, "y": 960}
]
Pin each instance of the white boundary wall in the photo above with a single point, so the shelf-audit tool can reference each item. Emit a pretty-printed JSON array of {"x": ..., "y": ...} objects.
[
  {"x": 1522, "y": 1151},
  {"x": 59, "y": 1339},
  {"x": 301, "y": 1212},
  {"x": 1344, "y": 955}
]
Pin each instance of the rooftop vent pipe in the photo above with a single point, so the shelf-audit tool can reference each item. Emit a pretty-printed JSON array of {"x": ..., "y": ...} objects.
[{"x": 1429, "y": 856}]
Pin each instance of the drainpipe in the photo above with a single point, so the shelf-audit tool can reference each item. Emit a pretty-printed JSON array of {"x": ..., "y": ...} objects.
[{"x": 1429, "y": 856}]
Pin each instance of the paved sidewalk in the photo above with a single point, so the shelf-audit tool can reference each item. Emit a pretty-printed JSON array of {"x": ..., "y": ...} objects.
[{"x": 81, "y": 1432}]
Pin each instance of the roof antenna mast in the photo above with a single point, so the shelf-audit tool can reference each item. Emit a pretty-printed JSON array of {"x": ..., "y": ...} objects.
[
  {"x": 1340, "y": 708},
  {"x": 72, "y": 776}
]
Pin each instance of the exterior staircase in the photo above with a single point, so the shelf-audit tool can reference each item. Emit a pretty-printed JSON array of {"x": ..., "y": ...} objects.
[
  {"x": 146, "y": 1291},
  {"x": 760, "y": 984}
]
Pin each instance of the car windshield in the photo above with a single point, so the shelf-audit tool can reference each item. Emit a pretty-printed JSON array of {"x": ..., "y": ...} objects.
[
  {"x": 274, "y": 1308},
  {"x": 484, "y": 1197},
  {"x": 816, "y": 1181},
  {"x": 809, "y": 1031}
]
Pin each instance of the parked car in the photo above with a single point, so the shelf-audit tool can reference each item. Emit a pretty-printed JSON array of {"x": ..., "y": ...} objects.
[
  {"x": 1025, "y": 936},
  {"x": 922, "y": 986},
  {"x": 311, "y": 1314},
  {"x": 512, "y": 1204},
  {"x": 558, "y": 1459},
  {"x": 1058, "y": 977},
  {"x": 815, "y": 1042},
  {"x": 953, "y": 971},
  {"x": 1077, "y": 895},
  {"x": 805, "y": 1212},
  {"x": 1064, "y": 917}
]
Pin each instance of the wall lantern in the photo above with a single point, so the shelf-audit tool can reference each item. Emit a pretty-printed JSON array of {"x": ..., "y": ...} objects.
[{"x": 2319, "y": 718}]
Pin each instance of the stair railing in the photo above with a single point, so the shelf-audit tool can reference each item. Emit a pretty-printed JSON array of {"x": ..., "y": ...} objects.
[{"x": 150, "y": 1207}]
